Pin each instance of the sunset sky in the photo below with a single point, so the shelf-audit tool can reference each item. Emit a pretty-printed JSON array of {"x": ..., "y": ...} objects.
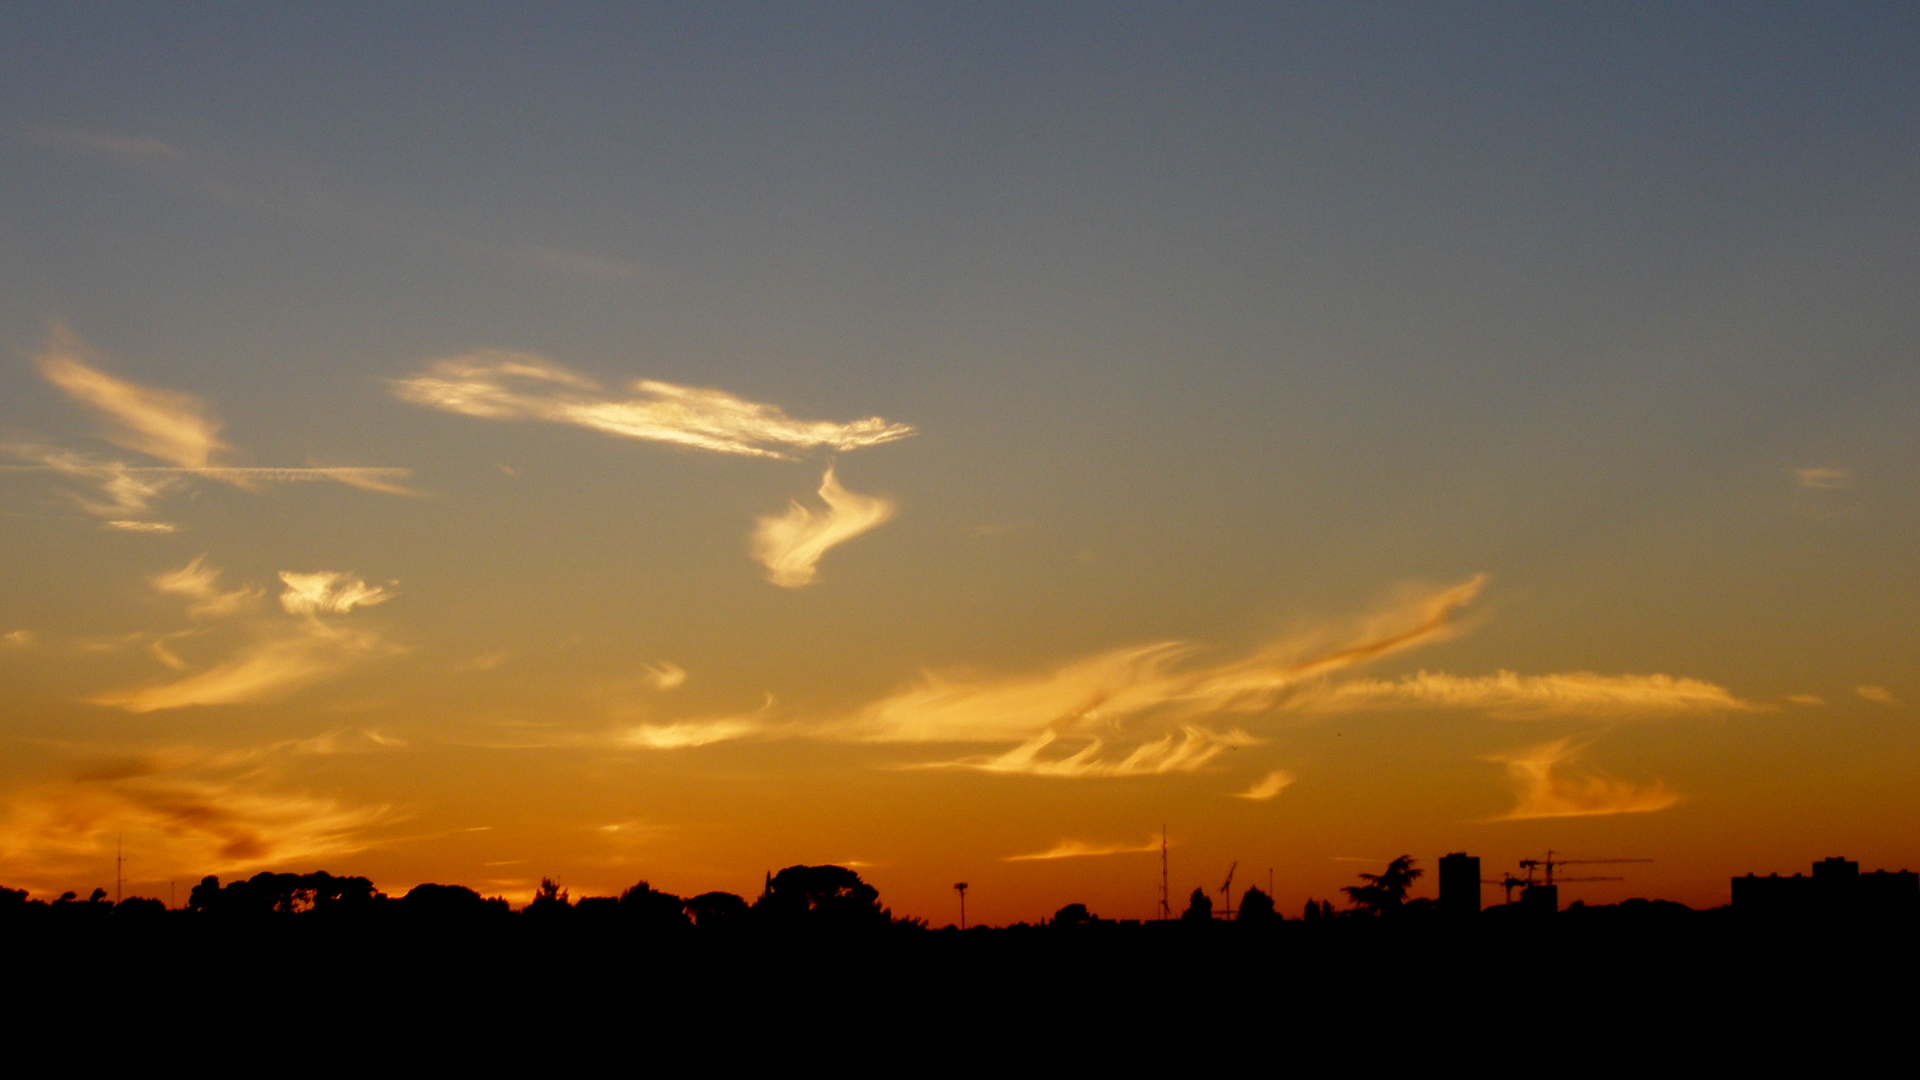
[{"x": 483, "y": 443}]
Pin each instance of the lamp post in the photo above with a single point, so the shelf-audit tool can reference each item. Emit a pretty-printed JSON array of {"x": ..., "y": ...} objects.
[{"x": 961, "y": 888}]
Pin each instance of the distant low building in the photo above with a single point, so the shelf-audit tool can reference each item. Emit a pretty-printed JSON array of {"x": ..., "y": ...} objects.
[{"x": 1836, "y": 888}]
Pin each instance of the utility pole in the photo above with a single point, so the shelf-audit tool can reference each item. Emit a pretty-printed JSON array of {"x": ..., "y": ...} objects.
[
  {"x": 119, "y": 866},
  {"x": 961, "y": 888}
]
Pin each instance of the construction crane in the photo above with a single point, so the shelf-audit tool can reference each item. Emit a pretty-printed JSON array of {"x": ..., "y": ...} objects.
[
  {"x": 1226, "y": 892},
  {"x": 1508, "y": 883},
  {"x": 1547, "y": 864},
  {"x": 1545, "y": 892}
]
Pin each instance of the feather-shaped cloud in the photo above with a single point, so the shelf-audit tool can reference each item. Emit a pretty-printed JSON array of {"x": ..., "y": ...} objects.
[
  {"x": 500, "y": 385},
  {"x": 792, "y": 544}
]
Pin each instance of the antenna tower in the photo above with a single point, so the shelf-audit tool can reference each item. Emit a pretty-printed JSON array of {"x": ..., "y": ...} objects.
[{"x": 1166, "y": 909}]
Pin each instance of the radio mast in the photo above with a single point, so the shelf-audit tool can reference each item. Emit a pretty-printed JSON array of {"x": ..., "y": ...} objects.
[{"x": 1166, "y": 909}]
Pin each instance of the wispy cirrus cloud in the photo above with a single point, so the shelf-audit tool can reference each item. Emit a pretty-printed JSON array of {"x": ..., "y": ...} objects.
[
  {"x": 123, "y": 490},
  {"x": 1506, "y": 694},
  {"x": 1191, "y": 749},
  {"x": 683, "y": 734},
  {"x": 172, "y": 427},
  {"x": 327, "y": 591},
  {"x": 503, "y": 385},
  {"x": 1824, "y": 478},
  {"x": 186, "y": 813},
  {"x": 1141, "y": 710},
  {"x": 1083, "y": 849},
  {"x": 199, "y": 584},
  {"x": 791, "y": 545},
  {"x": 278, "y": 656},
  {"x": 664, "y": 675},
  {"x": 1549, "y": 784},
  {"x": 159, "y": 423},
  {"x": 1267, "y": 786}
]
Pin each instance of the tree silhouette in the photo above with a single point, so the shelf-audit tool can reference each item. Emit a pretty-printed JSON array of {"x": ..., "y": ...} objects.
[
  {"x": 1074, "y": 915},
  {"x": 648, "y": 907},
  {"x": 449, "y": 904},
  {"x": 822, "y": 896},
  {"x": 717, "y": 911},
  {"x": 1199, "y": 908},
  {"x": 1384, "y": 893},
  {"x": 549, "y": 900},
  {"x": 1256, "y": 907}
]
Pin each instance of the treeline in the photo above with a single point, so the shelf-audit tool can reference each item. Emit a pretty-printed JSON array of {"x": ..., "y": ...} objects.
[{"x": 823, "y": 897}]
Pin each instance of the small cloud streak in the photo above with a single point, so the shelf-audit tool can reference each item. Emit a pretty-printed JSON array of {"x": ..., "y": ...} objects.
[
  {"x": 663, "y": 676},
  {"x": 1548, "y": 786},
  {"x": 682, "y": 734},
  {"x": 200, "y": 585},
  {"x": 265, "y": 670},
  {"x": 1146, "y": 682},
  {"x": 16, "y": 639},
  {"x": 1509, "y": 695},
  {"x": 183, "y": 822},
  {"x": 791, "y": 545},
  {"x": 1189, "y": 751},
  {"x": 1269, "y": 786},
  {"x": 327, "y": 591},
  {"x": 501, "y": 385},
  {"x": 1083, "y": 849},
  {"x": 162, "y": 424},
  {"x": 124, "y": 490},
  {"x": 159, "y": 423},
  {"x": 1879, "y": 694},
  {"x": 282, "y": 656},
  {"x": 1806, "y": 699},
  {"x": 1823, "y": 479}
]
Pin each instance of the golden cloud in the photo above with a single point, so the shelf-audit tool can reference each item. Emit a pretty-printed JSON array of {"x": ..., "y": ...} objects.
[
  {"x": 663, "y": 676},
  {"x": 282, "y": 655},
  {"x": 1879, "y": 694},
  {"x": 1081, "y": 849},
  {"x": 200, "y": 585},
  {"x": 1268, "y": 786},
  {"x": 55, "y": 835},
  {"x": 1549, "y": 786},
  {"x": 1823, "y": 478},
  {"x": 170, "y": 426},
  {"x": 1193, "y": 748},
  {"x": 327, "y": 591},
  {"x": 1507, "y": 694},
  {"x": 1142, "y": 683},
  {"x": 501, "y": 385},
  {"x": 159, "y": 423},
  {"x": 792, "y": 544},
  {"x": 681, "y": 734}
]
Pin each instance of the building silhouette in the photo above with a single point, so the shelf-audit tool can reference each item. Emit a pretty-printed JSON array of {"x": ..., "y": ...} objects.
[
  {"x": 1460, "y": 884},
  {"x": 1835, "y": 889}
]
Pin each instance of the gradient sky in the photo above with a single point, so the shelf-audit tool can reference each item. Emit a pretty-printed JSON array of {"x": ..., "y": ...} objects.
[{"x": 484, "y": 443}]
